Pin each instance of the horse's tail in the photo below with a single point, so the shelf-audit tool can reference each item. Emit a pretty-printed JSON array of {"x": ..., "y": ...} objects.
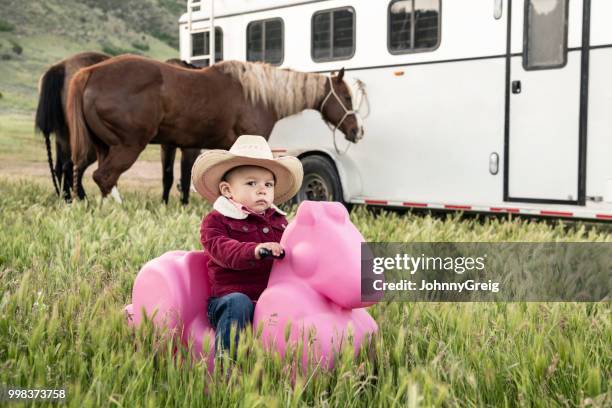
[
  {"x": 80, "y": 140},
  {"x": 50, "y": 113}
]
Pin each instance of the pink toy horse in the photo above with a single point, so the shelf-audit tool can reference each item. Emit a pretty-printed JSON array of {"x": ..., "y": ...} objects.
[{"x": 316, "y": 286}]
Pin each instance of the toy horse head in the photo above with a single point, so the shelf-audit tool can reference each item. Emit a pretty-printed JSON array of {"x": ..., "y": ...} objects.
[{"x": 323, "y": 250}]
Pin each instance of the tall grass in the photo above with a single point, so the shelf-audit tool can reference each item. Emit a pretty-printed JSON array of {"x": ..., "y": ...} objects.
[{"x": 66, "y": 271}]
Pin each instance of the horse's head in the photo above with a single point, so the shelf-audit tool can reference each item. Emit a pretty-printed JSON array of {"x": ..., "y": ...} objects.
[
  {"x": 323, "y": 249},
  {"x": 337, "y": 108}
]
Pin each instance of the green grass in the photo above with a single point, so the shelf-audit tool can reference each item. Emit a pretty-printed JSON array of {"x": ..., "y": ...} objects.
[
  {"x": 141, "y": 46},
  {"x": 6, "y": 26},
  {"x": 35, "y": 35},
  {"x": 17, "y": 139},
  {"x": 20, "y": 144},
  {"x": 19, "y": 76},
  {"x": 114, "y": 50},
  {"x": 66, "y": 271}
]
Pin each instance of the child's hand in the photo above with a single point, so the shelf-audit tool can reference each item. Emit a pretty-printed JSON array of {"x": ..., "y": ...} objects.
[{"x": 275, "y": 247}]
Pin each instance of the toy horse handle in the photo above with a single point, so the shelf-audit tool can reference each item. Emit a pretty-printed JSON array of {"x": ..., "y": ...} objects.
[{"x": 265, "y": 252}]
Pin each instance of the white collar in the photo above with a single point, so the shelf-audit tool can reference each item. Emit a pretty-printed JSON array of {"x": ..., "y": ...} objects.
[{"x": 226, "y": 208}]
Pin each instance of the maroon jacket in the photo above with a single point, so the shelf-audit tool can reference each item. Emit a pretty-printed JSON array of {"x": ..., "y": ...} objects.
[{"x": 229, "y": 235}]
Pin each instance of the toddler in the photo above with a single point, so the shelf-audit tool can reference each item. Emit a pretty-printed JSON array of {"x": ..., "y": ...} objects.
[{"x": 243, "y": 184}]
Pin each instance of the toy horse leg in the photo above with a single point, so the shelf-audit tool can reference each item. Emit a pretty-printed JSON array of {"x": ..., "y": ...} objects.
[{"x": 321, "y": 339}]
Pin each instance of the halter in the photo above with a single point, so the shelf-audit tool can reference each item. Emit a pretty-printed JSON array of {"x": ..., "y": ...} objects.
[{"x": 347, "y": 112}]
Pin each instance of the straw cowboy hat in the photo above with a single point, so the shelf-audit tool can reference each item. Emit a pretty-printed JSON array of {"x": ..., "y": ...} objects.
[{"x": 248, "y": 150}]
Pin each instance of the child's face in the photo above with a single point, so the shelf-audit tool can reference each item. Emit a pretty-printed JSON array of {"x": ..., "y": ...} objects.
[{"x": 250, "y": 186}]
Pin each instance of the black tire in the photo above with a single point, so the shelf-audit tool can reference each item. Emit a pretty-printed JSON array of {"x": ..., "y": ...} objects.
[{"x": 321, "y": 181}]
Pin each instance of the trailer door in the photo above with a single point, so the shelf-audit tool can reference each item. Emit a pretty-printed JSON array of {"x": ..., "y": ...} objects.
[{"x": 544, "y": 101}]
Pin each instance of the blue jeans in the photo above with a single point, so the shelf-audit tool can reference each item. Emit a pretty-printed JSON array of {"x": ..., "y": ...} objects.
[{"x": 232, "y": 309}]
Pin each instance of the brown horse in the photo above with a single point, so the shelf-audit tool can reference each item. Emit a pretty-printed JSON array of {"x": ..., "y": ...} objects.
[
  {"x": 50, "y": 118},
  {"x": 53, "y": 89},
  {"x": 125, "y": 103}
]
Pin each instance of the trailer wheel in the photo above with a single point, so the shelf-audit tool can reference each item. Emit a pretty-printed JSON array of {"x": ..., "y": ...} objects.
[{"x": 321, "y": 181}]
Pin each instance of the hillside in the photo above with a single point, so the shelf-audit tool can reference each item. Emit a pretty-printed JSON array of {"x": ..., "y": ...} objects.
[{"x": 34, "y": 35}]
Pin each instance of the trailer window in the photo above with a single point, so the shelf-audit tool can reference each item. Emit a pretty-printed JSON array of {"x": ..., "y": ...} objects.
[
  {"x": 265, "y": 41},
  {"x": 200, "y": 46},
  {"x": 545, "y": 34},
  {"x": 413, "y": 25},
  {"x": 333, "y": 34}
]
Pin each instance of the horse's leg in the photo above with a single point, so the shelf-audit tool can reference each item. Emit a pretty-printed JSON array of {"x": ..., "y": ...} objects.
[
  {"x": 101, "y": 151},
  {"x": 168, "y": 154},
  {"x": 63, "y": 168},
  {"x": 80, "y": 190},
  {"x": 91, "y": 158},
  {"x": 62, "y": 159},
  {"x": 67, "y": 172},
  {"x": 188, "y": 157},
  {"x": 119, "y": 159}
]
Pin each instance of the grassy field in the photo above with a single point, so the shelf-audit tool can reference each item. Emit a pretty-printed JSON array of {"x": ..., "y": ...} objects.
[
  {"x": 19, "y": 143},
  {"x": 67, "y": 271},
  {"x": 34, "y": 35},
  {"x": 19, "y": 75}
]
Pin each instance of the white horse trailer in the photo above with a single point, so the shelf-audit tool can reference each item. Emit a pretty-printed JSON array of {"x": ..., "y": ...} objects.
[{"x": 486, "y": 105}]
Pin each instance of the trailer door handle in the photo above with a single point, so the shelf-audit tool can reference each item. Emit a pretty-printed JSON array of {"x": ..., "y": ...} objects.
[{"x": 516, "y": 87}]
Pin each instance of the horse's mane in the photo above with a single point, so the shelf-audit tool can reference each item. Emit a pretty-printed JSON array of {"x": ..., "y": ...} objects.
[{"x": 285, "y": 91}]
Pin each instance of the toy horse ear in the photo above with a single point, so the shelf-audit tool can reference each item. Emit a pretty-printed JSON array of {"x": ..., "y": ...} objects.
[
  {"x": 304, "y": 214},
  {"x": 341, "y": 74},
  {"x": 336, "y": 211}
]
